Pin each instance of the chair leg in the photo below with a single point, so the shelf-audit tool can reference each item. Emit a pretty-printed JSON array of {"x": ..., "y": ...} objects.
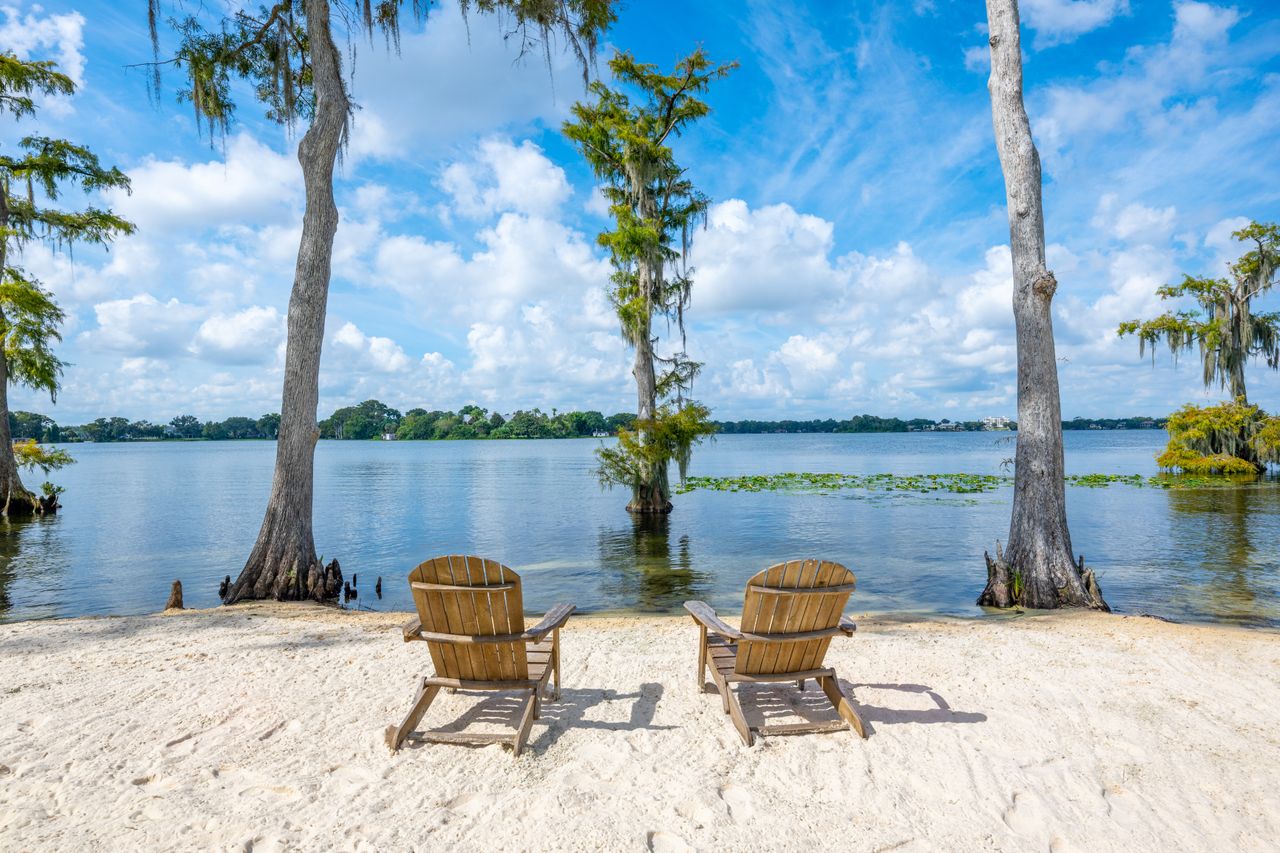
[
  {"x": 842, "y": 704},
  {"x": 526, "y": 722},
  {"x": 735, "y": 714},
  {"x": 555, "y": 659},
  {"x": 702, "y": 657},
  {"x": 421, "y": 701}
]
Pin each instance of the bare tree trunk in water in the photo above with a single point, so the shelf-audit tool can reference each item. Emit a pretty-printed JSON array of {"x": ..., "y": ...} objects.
[
  {"x": 283, "y": 564},
  {"x": 1037, "y": 569}
]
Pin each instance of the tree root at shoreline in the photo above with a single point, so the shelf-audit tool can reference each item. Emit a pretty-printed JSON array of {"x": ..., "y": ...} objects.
[{"x": 1006, "y": 587}]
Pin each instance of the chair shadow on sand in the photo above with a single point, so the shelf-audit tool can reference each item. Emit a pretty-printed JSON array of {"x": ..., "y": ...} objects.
[
  {"x": 502, "y": 711},
  {"x": 764, "y": 704}
]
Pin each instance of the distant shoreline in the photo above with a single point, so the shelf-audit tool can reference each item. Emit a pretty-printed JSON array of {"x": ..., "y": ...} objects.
[{"x": 377, "y": 440}]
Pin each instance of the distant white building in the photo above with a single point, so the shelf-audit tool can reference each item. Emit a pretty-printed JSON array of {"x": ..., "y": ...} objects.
[
  {"x": 389, "y": 436},
  {"x": 996, "y": 422}
]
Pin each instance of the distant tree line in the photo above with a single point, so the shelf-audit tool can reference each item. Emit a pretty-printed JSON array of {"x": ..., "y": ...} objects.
[
  {"x": 872, "y": 423},
  {"x": 30, "y": 425},
  {"x": 374, "y": 419},
  {"x": 858, "y": 423},
  {"x": 1115, "y": 423},
  {"x": 371, "y": 419}
]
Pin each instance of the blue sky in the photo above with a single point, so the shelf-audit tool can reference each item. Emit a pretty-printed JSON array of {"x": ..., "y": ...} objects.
[{"x": 855, "y": 259}]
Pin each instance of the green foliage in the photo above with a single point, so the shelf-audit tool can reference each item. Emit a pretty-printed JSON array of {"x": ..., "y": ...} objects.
[
  {"x": 49, "y": 490},
  {"x": 32, "y": 176},
  {"x": 810, "y": 482},
  {"x": 370, "y": 419},
  {"x": 186, "y": 426},
  {"x": 31, "y": 456},
  {"x": 268, "y": 46},
  {"x": 923, "y": 484},
  {"x": 617, "y": 421},
  {"x": 24, "y": 425},
  {"x": 1226, "y": 439},
  {"x": 29, "y": 321},
  {"x": 269, "y": 426},
  {"x": 182, "y": 427},
  {"x": 653, "y": 442},
  {"x": 30, "y": 181},
  {"x": 1222, "y": 325},
  {"x": 20, "y": 79},
  {"x": 623, "y": 132},
  {"x": 653, "y": 203}
]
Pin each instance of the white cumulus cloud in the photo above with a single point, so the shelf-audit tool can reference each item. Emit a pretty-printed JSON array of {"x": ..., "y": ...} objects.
[{"x": 251, "y": 336}]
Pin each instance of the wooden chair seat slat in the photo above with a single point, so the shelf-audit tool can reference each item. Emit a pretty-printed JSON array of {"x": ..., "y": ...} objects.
[{"x": 476, "y": 589}]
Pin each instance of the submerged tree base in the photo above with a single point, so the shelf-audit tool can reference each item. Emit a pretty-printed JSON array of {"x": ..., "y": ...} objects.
[
  {"x": 649, "y": 508},
  {"x": 301, "y": 579},
  {"x": 25, "y": 504},
  {"x": 1005, "y": 587}
]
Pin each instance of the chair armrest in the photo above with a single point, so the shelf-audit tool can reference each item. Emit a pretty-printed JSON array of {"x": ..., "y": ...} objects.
[
  {"x": 554, "y": 618},
  {"x": 847, "y": 625},
  {"x": 411, "y": 629},
  {"x": 705, "y": 615}
]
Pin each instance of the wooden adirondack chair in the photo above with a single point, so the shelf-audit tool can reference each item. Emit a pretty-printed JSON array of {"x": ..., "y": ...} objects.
[
  {"x": 791, "y": 612},
  {"x": 471, "y": 615}
]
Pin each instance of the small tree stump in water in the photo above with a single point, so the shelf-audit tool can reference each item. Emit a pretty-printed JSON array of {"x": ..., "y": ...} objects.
[
  {"x": 175, "y": 597},
  {"x": 331, "y": 587},
  {"x": 224, "y": 587},
  {"x": 377, "y": 588},
  {"x": 1000, "y": 582}
]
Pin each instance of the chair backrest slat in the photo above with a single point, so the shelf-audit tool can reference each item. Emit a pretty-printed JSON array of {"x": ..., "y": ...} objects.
[
  {"x": 471, "y": 597},
  {"x": 787, "y": 598}
]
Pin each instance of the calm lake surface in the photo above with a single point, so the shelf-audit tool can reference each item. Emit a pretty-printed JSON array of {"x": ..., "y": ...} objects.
[{"x": 137, "y": 516}]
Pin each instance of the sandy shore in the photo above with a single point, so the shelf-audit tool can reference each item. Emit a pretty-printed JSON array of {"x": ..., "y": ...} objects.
[{"x": 261, "y": 728}]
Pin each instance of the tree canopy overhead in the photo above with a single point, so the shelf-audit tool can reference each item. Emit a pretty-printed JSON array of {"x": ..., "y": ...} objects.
[{"x": 269, "y": 45}]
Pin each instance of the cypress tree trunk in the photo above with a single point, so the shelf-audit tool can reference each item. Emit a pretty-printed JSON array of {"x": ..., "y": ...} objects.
[
  {"x": 1239, "y": 349},
  {"x": 283, "y": 564},
  {"x": 653, "y": 494},
  {"x": 15, "y": 500},
  {"x": 1037, "y": 569}
]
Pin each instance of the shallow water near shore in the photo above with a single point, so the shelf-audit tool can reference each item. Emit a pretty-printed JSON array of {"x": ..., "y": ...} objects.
[{"x": 138, "y": 516}]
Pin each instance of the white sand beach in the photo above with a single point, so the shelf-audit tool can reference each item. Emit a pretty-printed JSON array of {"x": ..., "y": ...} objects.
[{"x": 261, "y": 728}]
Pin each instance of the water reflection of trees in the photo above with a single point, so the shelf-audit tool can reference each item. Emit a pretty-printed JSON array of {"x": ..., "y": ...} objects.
[
  {"x": 31, "y": 556},
  {"x": 645, "y": 570},
  {"x": 1229, "y": 534},
  {"x": 8, "y": 551}
]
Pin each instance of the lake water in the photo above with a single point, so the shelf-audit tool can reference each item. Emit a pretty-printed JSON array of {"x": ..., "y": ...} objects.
[{"x": 137, "y": 516}]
